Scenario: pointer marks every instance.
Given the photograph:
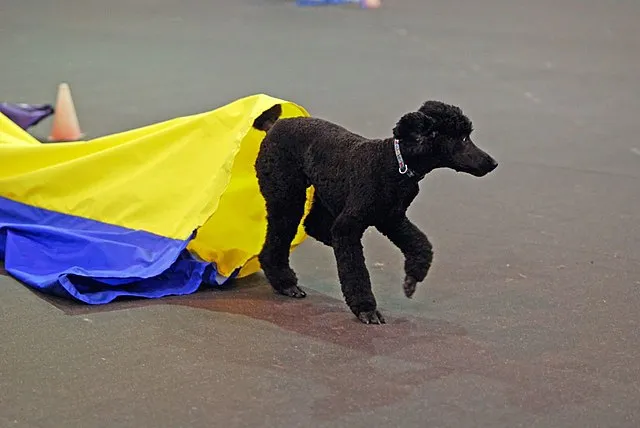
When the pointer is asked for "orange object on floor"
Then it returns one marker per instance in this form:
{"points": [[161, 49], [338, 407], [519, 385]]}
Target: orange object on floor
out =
{"points": [[370, 4], [65, 120]]}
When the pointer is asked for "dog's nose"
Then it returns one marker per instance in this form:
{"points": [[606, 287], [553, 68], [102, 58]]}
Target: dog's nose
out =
{"points": [[492, 164]]}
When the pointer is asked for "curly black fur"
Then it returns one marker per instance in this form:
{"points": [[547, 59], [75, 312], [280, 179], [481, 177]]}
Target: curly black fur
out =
{"points": [[358, 184]]}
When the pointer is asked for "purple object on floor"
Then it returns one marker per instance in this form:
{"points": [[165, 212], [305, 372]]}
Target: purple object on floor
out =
{"points": [[26, 115]]}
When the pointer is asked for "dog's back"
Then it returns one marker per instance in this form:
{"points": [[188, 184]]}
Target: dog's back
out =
{"points": [[299, 133], [311, 131]]}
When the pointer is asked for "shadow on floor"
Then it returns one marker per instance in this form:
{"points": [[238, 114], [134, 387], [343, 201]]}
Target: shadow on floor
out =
{"points": [[377, 365]]}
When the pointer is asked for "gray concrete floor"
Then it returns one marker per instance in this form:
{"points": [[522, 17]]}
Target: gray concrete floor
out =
{"points": [[530, 315]]}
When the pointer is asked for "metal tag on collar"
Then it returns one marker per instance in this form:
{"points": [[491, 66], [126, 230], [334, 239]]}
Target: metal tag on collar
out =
{"points": [[404, 169]]}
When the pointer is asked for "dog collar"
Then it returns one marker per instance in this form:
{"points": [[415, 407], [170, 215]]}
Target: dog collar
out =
{"points": [[404, 169]]}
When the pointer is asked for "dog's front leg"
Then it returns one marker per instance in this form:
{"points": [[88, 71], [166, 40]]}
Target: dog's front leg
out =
{"points": [[355, 282], [415, 246]]}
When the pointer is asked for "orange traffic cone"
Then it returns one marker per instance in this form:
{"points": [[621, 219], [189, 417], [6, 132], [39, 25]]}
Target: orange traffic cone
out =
{"points": [[65, 121]]}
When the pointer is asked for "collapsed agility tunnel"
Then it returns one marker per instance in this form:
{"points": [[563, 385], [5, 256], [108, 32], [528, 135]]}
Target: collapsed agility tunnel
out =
{"points": [[151, 212]]}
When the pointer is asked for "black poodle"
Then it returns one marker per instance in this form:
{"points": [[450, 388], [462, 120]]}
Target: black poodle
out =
{"points": [[357, 183]]}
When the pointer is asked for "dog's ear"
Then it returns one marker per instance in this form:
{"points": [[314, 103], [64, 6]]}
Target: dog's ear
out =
{"points": [[265, 121], [414, 126]]}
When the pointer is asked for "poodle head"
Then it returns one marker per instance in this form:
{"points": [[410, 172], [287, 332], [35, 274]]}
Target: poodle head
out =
{"points": [[438, 135]]}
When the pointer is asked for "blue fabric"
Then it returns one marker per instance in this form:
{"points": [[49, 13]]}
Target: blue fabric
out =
{"points": [[94, 262]]}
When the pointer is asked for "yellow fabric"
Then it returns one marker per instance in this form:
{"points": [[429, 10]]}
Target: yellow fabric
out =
{"points": [[11, 133], [168, 178]]}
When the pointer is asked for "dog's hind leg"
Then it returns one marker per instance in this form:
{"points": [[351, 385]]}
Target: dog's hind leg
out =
{"points": [[285, 198], [319, 221]]}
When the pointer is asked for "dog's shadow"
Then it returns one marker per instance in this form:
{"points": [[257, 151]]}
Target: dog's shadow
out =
{"points": [[355, 379], [379, 365], [318, 316]]}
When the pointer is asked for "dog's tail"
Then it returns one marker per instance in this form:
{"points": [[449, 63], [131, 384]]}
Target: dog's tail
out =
{"points": [[268, 118]]}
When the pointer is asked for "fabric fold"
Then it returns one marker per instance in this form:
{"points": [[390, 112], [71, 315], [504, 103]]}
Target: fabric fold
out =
{"points": [[117, 216]]}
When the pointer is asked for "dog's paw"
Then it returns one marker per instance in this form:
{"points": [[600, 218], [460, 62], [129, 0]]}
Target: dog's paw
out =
{"points": [[295, 292], [371, 317], [410, 284]]}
